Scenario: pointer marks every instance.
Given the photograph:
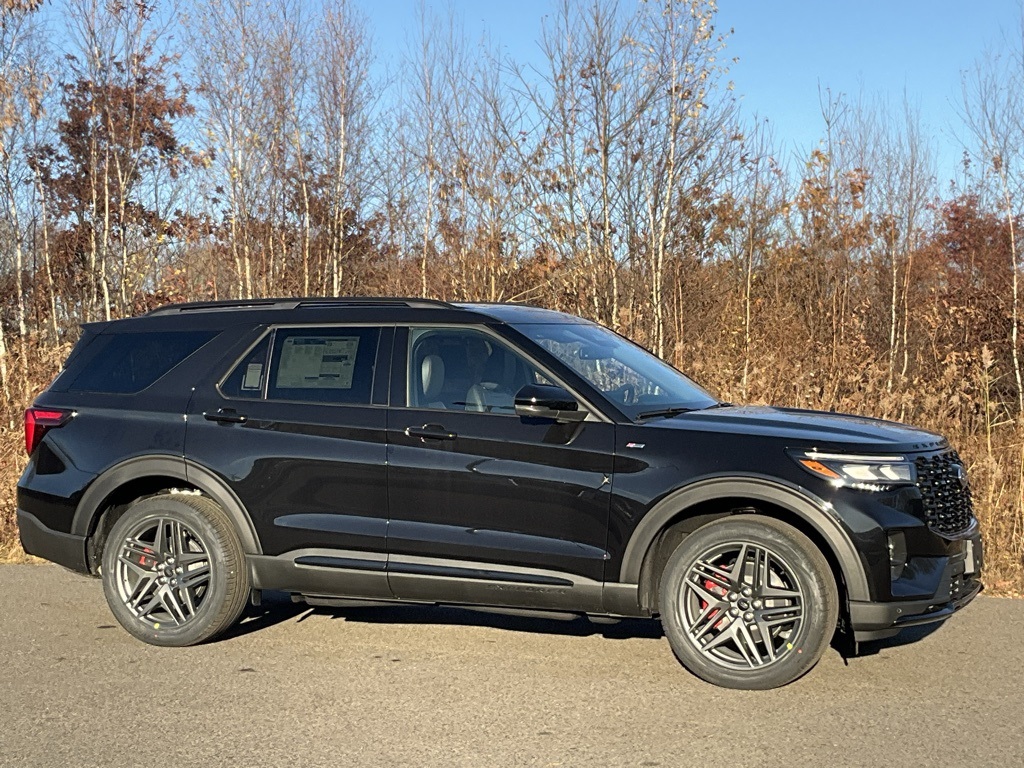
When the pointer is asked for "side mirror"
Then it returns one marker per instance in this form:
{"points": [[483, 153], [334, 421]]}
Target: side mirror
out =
{"points": [[539, 401]]}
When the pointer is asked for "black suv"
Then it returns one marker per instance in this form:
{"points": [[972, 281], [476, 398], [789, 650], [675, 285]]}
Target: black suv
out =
{"points": [[479, 454]]}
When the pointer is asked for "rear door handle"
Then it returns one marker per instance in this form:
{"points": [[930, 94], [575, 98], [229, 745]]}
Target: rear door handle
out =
{"points": [[226, 416], [430, 432]]}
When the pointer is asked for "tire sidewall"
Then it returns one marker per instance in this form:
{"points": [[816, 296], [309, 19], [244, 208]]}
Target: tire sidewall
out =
{"points": [[813, 576], [197, 628]]}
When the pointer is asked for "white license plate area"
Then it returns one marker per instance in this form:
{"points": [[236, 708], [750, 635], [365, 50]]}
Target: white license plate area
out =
{"points": [[969, 565]]}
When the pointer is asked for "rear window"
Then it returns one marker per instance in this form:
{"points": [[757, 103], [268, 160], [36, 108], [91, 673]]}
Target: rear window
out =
{"points": [[125, 363]]}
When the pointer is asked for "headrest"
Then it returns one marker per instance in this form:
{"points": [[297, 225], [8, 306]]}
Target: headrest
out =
{"points": [[431, 377]]}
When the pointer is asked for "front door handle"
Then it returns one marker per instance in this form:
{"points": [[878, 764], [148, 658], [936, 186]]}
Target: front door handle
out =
{"points": [[226, 416], [430, 432]]}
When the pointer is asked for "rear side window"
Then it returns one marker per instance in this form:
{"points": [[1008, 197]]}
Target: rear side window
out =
{"points": [[324, 365], [125, 363], [249, 375], [87, 337]]}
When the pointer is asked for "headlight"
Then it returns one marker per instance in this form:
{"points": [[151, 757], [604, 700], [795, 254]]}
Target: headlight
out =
{"points": [[865, 473]]}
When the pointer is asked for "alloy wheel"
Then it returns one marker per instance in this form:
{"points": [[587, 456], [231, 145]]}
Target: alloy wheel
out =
{"points": [[163, 572], [741, 606]]}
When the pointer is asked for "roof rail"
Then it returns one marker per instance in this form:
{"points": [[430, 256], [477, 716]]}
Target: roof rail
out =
{"points": [[306, 303], [198, 306], [387, 301]]}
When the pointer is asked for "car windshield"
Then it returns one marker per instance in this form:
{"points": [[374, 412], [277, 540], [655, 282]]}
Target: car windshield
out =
{"points": [[636, 381]]}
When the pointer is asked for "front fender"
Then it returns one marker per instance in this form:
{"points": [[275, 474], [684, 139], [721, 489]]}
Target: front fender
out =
{"points": [[812, 510]]}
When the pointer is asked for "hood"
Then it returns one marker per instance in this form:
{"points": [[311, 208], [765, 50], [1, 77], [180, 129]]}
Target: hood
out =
{"points": [[809, 429]]}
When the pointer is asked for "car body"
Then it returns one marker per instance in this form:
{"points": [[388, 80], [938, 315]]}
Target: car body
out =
{"points": [[480, 454]]}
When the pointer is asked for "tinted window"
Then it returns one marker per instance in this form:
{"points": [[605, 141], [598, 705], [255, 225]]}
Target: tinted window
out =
{"points": [[124, 363], [249, 375], [466, 370], [326, 365]]}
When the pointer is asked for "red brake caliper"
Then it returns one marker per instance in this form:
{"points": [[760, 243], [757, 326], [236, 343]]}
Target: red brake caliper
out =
{"points": [[142, 558], [710, 586]]}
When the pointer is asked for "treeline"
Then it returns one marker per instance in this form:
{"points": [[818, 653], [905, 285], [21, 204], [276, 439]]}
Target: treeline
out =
{"points": [[155, 152]]}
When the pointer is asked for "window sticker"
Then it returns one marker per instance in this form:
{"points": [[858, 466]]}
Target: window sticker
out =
{"points": [[317, 362], [253, 376]]}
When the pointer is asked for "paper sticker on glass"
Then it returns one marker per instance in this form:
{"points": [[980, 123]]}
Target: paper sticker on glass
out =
{"points": [[317, 362], [253, 379]]}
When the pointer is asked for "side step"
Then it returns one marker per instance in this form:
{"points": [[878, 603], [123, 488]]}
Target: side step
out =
{"points": [[321, 601]]}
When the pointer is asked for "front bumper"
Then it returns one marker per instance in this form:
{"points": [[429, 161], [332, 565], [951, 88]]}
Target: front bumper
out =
{"points": [[62, 548], [959, 584]]}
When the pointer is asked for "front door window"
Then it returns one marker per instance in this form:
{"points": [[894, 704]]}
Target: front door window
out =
{"points": [[463, 369]]}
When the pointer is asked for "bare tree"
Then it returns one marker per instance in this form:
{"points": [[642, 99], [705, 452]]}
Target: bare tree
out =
{"points": [[228, 44], [634, 123], [993, 113], [501, 180], [752, 205], [686, 155], [423, 128], [903, 187], [23, 81], [343, 100], [592, 98]]}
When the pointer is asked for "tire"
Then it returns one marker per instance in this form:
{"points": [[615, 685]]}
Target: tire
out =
{"points": [[174, 572], [759, 628]]}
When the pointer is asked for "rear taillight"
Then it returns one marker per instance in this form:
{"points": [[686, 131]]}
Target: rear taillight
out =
{"points": [[39, 421]]}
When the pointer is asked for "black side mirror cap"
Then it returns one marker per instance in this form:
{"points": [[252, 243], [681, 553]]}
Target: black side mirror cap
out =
{"points": [[541, 401]]}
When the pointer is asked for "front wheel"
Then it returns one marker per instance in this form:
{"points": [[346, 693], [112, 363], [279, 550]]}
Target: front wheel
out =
{"points": [[748, 602], [174, 571]]}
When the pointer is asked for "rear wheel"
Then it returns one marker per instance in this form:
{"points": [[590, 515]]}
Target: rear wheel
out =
{"points": [[174, 571], [748, 602]]}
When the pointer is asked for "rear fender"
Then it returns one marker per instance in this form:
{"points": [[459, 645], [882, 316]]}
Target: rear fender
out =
{"points": [[175, 467]]}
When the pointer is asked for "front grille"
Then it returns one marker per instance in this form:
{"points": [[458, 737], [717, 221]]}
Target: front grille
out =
{"points": [[945, 493]]}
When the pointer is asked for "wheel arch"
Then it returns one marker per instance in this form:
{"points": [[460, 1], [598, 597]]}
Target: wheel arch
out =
{"points": [[686, 509], [146, 475]]}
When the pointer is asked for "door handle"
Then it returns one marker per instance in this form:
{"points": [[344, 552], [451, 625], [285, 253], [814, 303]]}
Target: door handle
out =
{"points": [[226, 416], [430, 432]]}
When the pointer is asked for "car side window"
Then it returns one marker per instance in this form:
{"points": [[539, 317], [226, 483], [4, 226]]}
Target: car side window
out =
{"points": [[127, 363], [466, 370], [323, 365], [248, 377]]}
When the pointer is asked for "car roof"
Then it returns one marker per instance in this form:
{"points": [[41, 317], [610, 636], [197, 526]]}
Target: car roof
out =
{"points": [[520, 314], [361, 309]]}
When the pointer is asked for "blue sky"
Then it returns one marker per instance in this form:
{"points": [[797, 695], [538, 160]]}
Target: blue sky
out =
{"points": [[870, 47], [787, 48]]}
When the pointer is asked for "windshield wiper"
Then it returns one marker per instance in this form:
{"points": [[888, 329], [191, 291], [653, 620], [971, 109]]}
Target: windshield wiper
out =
{"points": [[664, 412], [678, 410]]}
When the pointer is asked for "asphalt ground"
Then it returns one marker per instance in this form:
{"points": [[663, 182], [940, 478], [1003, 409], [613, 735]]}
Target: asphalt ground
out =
{"points": [[294, 686]]}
